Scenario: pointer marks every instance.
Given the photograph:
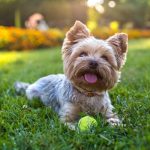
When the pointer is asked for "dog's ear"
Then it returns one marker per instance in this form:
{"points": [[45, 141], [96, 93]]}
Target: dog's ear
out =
{"points": [[77, 32], [119, 42], [74, 35]]}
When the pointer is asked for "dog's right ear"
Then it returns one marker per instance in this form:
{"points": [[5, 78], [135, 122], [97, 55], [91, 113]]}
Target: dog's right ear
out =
{"points": [[77, 32], [119, 42]]}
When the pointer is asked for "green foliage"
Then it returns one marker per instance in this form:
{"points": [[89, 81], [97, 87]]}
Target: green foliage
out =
{"points": [[17, 18], [134, 12], [32, 126], [66, 12], [93, 18]]}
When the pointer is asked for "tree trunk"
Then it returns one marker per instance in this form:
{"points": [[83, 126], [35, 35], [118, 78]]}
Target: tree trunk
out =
{"points": [[17, 18]]}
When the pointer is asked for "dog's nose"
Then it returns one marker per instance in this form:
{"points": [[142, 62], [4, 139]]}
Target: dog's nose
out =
{"points": [[93, 64]]}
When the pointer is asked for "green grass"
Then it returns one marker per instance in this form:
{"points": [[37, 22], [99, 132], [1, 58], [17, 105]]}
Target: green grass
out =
{"points": [[27, 126]]}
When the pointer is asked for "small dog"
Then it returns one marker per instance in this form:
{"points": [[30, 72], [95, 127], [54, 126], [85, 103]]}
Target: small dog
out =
{"points": [[91, 68]]}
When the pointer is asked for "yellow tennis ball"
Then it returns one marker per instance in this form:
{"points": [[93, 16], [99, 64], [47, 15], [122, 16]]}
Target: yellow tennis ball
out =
{"points": [[86, 123]]}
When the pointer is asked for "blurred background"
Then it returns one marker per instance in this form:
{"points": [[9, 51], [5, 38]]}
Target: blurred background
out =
{"points": [[31, 24], [31, 35]]}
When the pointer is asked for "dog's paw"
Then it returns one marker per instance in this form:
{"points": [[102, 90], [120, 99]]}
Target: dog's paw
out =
{"points": [[71, 126], [114, 122]]}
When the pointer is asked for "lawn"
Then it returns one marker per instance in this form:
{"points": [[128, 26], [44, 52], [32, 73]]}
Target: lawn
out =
{"points": [[25, 125]]}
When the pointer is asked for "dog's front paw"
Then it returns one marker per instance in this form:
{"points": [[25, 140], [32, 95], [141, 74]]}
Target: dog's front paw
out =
{"points": [[71, 126], [114, 121]]}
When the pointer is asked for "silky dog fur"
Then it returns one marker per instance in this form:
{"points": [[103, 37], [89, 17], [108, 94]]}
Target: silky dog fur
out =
{"points": [[91, 68]]}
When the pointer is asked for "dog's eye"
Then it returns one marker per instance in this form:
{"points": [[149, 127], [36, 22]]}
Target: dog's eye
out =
{"points": [[105, 57], [83, 54]]}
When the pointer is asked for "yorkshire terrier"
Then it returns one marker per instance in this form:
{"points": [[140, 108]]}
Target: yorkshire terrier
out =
{"points": [[92, 67]]}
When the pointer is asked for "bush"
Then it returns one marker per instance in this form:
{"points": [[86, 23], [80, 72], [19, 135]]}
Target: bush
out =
{"points": [[132, 33], [12, 38], [23, 39]]}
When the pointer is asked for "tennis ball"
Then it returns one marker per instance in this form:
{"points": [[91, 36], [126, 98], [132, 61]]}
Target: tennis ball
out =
{"points": [[86, 123]]}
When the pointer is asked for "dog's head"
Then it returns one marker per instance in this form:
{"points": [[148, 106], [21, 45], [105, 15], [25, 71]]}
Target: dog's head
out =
{"points": [[93, 64]]}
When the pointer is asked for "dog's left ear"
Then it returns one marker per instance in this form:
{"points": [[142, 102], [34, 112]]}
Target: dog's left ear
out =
{"points": [[119, 42], [77, 32]]}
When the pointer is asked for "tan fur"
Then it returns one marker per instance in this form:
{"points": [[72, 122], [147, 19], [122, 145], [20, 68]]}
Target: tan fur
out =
{"points": [[79, 40], [120, 44], [69, 113], [78, 31], [110, 56], [92, 67]]}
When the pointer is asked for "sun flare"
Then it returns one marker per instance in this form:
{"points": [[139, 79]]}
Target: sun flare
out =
{"points": [[93, 3], [8, 57]]}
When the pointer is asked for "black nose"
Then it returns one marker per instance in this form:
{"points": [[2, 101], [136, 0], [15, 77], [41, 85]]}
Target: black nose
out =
{"points": [[93, 64]]}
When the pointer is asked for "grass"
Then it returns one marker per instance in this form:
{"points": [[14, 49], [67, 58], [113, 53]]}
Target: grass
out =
{"points": [[25, 126]]}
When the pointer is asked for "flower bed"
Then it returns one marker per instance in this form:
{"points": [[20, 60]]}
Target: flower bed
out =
{"points": [[12, 38], [23, 39], [132, 33]]}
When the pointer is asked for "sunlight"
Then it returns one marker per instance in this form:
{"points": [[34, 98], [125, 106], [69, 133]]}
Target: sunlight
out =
{"points": [[91, 25], [114, 25], [112, 4], [8, 57], [99, 8], [92, 3]]}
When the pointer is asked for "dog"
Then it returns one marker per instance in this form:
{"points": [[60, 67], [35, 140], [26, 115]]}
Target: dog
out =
{"points": [[91, 68]]}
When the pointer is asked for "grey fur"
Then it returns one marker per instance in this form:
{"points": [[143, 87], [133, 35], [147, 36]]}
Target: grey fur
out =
{"points": [[57, 92], [69, 95]]}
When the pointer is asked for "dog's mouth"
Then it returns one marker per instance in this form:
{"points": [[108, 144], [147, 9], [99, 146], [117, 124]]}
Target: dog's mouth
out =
{"points": [[90, 78]]}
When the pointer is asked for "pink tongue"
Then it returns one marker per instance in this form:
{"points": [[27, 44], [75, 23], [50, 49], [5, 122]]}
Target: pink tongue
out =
{"points": [[90, 78]]}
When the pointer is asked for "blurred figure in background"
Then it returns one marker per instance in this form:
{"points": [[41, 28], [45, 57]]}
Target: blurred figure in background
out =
{"points": [[36, 21]]}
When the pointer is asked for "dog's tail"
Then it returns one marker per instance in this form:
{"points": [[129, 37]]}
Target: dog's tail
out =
{"points": [[21, 87]]}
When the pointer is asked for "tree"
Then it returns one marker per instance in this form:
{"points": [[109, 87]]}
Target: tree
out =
{"points": [[17, 5], [135, 11]]}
